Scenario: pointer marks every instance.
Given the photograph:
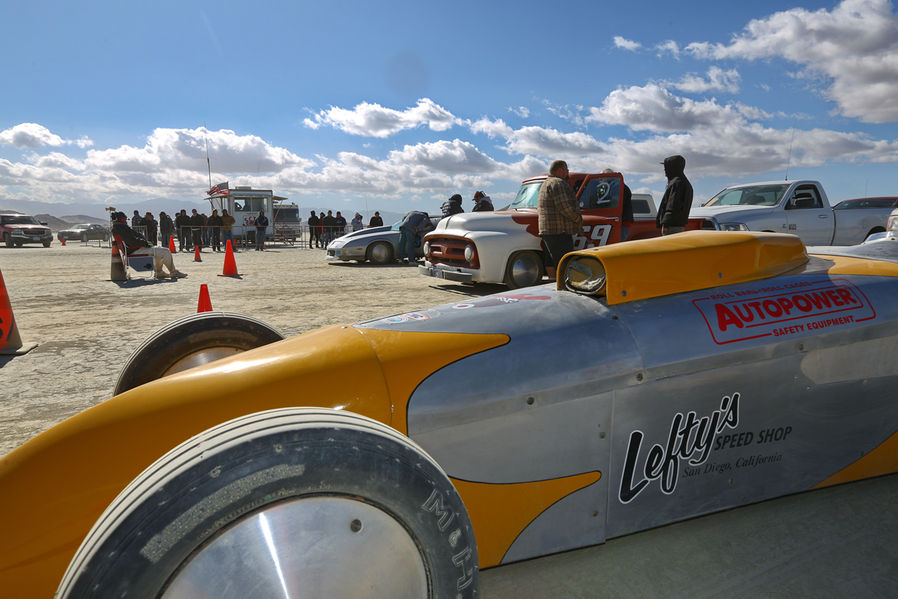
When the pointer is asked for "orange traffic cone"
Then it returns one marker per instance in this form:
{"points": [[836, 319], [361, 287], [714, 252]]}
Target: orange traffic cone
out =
{"points": [[196, 255], [230, 264], [205, 303], [62, 239], [10, 342], [171, 244]]}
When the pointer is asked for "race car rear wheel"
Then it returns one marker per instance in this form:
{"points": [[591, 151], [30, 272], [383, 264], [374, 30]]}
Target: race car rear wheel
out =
{"points": [[380, 253], [192, 341], [291, 502], [523, 270]]}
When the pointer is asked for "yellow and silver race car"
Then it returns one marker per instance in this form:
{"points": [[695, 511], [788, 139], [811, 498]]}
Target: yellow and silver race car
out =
{"points": [[659, 380]]}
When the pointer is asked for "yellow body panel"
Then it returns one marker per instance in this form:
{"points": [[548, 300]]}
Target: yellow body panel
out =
{"points": [[691, 260], [882, 460], [55, 486], [695, 260], [501, 512]]}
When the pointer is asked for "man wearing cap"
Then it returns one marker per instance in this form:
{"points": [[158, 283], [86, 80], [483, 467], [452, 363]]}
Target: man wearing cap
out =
{"points": [[482, 202], [137, 245], [673, 213], [559, 215]]}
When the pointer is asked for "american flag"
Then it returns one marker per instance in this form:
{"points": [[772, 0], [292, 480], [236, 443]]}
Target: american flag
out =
{"points": [[220, 189]]}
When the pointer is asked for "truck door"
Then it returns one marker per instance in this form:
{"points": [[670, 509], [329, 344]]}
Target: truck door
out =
{"points": [[600, 200], [807, 217]]}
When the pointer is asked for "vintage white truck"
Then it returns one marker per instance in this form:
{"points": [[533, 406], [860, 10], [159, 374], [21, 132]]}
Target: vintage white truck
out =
{"points": [[504, 246], [799, 207]]}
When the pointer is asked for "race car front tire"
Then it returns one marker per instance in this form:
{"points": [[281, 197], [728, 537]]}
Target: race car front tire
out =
{"points": [[192, 341], [290, 502]]}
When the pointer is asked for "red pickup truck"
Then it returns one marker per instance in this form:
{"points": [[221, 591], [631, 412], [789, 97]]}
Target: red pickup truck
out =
{"points": [[505, 247]]}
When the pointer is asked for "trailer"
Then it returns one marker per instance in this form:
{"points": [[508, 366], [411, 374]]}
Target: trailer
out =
{"points": [[244, 204]]}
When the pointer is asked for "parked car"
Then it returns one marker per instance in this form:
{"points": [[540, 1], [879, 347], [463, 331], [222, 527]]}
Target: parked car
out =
{"points": [[17, 229], [798, 207], [467, 435], [379, 245], [85, 232]]}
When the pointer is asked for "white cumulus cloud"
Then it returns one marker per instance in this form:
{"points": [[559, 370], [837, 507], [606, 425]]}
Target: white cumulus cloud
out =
{"points": [[854, 46], [373, 120]]}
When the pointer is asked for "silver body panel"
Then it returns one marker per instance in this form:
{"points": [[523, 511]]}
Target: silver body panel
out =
{"points": [[686, 404]]}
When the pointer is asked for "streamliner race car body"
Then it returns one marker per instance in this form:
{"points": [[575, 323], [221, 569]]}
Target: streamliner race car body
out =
{"points": [[659, 380]]}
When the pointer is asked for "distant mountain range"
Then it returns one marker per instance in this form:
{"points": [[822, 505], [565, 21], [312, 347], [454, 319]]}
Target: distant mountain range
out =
{"points": [[61, 216]]}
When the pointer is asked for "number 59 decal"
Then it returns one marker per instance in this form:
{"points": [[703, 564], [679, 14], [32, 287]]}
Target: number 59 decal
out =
{"points": [[595, 235]]}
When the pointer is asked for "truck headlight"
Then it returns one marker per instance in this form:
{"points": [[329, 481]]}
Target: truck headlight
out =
{"points": [[584, 274], [733, 227], [426, 249], [469, 253]]}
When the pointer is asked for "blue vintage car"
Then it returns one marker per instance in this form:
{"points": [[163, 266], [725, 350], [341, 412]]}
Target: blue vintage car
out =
{"points": [[378, 245]]}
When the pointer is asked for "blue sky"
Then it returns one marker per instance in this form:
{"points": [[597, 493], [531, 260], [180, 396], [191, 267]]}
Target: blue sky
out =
{"points": [[348, 105]]}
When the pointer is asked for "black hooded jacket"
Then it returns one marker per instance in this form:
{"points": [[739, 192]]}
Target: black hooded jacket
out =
{"points": [[674, 208]]}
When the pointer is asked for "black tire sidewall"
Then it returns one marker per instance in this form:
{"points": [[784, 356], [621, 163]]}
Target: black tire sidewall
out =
{"points": [[347, 462], [188, 335]]}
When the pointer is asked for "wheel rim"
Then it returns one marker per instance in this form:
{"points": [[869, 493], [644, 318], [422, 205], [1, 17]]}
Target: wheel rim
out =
{"points": [[204, 356], [321, 546], [380, 253], [524, 270]]}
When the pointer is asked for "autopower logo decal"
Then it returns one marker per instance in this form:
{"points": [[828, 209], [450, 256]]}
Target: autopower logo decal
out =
{"points": [[783, 310]]}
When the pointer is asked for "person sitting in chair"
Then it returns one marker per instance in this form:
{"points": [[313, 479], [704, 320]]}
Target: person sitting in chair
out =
{"points": [[137, 245]]}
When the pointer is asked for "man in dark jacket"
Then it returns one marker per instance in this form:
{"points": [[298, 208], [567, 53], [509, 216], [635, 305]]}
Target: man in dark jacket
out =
{"points": [[673, 213], [182, 223], [314, 233], [452, 206], [261, 223], [196, 228], [414, 226], [215, 222], [165, 228], [376, 220], [482, 202]]}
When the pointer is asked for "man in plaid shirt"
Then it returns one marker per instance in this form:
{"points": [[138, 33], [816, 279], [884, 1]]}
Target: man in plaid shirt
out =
{"points": [[559, 215]]}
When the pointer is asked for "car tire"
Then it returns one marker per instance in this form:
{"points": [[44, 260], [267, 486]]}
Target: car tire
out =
{"points": [[524, 269], [289, 502], [380, 253], [191, 341], [47, 243]]}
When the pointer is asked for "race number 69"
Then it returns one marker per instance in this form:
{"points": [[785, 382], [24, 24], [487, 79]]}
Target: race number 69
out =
{"points": [[596, 235]]}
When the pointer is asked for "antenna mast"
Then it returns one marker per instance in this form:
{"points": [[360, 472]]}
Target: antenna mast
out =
{"points": [[788, 161], [208, 162]]}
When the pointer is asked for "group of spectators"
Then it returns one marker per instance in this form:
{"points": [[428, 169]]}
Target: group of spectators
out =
{"points": [[324, 228], [198, 230], [193, 230]]}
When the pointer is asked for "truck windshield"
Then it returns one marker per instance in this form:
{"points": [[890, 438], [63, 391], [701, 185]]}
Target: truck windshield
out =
{"points": [[752, 195], [527, 196], [18, 220]]}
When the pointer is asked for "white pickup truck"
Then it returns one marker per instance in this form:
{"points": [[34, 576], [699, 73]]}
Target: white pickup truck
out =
{"points": [[797, 207]]}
